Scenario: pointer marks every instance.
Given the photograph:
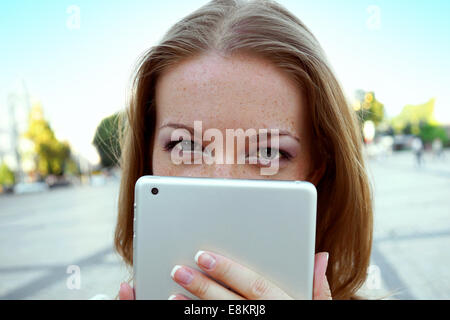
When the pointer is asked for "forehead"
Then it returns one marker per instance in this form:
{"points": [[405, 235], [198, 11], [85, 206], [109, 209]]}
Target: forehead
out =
{"points": [[241, 91]]}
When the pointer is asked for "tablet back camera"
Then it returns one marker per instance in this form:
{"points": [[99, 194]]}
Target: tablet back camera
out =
{"points": [[155, 191]]}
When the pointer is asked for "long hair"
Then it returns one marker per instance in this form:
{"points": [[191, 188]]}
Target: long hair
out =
{"points": [[266, 29]]}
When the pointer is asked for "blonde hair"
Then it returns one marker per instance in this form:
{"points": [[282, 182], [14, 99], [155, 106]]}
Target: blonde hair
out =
{"points": [[266, 29]]}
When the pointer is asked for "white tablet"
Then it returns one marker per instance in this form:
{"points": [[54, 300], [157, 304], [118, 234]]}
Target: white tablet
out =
{"points": [[266, 225]]}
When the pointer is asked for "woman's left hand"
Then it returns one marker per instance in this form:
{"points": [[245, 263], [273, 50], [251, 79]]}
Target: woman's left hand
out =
{"points": [[245, 283]]}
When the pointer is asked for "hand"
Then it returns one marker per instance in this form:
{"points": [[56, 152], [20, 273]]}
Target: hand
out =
{"points": [[245, 283], [126, 292]]}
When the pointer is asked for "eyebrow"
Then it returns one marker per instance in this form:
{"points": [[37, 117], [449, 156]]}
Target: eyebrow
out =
{"points": [[191, 130]]}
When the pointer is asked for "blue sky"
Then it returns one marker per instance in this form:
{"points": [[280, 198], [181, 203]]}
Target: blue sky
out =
{"points": [[81, 75]]}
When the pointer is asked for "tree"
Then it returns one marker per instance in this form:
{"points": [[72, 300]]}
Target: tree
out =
{"points": [[106, 140], [429, 132], [368, 107], [52, 155], [413, 117], [6, 175]]}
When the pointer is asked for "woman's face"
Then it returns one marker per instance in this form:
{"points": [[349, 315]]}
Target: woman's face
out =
{"points": [[239, 92]]}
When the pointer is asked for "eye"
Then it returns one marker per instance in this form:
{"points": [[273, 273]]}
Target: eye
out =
{"points": [[265, 156], [183, 145], [187, 145], [269, 154]]}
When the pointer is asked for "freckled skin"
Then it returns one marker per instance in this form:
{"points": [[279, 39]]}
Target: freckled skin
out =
{"points": [[241, 91]]}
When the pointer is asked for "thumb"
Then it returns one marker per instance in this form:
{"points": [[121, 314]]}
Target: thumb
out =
{"points": [[321, 288]]}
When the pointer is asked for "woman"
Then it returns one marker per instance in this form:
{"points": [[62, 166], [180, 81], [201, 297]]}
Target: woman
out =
{"points": [[237, 64]]}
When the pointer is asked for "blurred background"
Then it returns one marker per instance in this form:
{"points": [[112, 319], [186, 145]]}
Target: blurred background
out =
{"points": [[65, 71]]}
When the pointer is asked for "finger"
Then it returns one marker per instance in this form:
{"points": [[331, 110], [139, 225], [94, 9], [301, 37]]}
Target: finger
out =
{"points": [[321, 287], [178, 297], [200, 285], [244, 281], [126, 292]]}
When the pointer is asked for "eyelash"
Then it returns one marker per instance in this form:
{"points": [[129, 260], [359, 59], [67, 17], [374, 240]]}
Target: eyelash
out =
{"points": [[171, 144]]}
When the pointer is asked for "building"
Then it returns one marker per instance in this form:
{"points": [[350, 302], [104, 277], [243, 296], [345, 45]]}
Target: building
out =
{"points": [[14, 113]]}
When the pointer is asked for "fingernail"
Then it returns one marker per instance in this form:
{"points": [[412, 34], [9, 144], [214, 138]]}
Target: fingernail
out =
{"points": [[205, 260], [172, 297], [122, 286], [327, 256], [181, 274]]}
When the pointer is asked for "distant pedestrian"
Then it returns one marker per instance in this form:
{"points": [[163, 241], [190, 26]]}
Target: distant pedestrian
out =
{"points": [[417, 148], [437, 148]]}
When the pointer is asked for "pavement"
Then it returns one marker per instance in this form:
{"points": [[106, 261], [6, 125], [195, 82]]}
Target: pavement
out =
{"points": [[59, 244], [47, 237], [412, 225]]}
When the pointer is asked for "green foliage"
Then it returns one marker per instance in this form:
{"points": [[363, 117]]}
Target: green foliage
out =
{"points": [[52, 155], [419, 120], [7, 177], [367, 107], [429, 132], [106, 140], [72, 168], [413, 117]]}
